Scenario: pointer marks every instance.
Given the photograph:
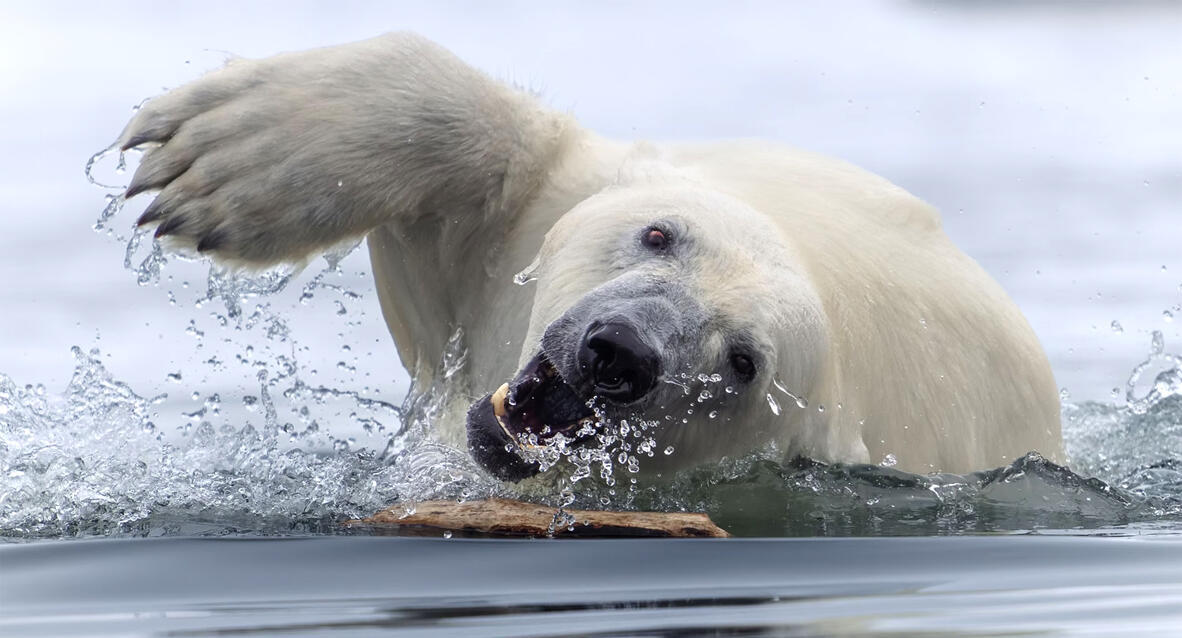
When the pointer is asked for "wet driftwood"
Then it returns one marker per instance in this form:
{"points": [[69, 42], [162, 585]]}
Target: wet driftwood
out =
{"points": [[503, 517]]}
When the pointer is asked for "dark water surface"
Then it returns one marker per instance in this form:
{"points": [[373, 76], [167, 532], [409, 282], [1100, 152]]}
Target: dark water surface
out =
{"points": [[361, 586]]}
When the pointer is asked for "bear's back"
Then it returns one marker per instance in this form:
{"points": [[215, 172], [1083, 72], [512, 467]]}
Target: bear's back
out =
{"points": [[926, 348]]}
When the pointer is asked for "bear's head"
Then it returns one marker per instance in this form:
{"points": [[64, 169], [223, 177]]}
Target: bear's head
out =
{"points": [[643, 291]]}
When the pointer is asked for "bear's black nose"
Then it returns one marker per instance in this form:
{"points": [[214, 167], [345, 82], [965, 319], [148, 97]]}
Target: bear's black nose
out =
{"points": [[620, 364]]}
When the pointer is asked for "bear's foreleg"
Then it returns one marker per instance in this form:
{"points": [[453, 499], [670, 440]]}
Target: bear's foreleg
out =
{"points": [[275, 159]]}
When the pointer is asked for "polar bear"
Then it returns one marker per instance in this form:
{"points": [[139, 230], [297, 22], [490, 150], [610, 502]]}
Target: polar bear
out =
{"points": [[819, 307]]}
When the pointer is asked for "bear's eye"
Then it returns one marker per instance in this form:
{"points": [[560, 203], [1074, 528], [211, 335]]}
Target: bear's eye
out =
{"points": [[654, 238], [744, 367]]}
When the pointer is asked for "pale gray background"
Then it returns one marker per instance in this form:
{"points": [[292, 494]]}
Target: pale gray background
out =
{"points": [[1050, 135]]}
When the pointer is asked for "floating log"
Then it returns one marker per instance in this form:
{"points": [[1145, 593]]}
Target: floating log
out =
{"points": [[504, 517]]}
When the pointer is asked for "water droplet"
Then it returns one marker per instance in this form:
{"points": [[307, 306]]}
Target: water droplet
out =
{"points": [[801, 402], [447, 534], [192, 330], [1064, 394], [529, 274], [174, 377], [773, 404], [1116, 327], [1167, 316], [455, 354], [888, 461], [685, 389], [1157, 344], [713, 414], [669, 450]]}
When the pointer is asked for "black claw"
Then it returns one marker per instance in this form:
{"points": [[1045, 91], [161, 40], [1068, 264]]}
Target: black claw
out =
{"points": [[170, 225], [152, 213], [133, 142], [212, 241], [135, 189]]}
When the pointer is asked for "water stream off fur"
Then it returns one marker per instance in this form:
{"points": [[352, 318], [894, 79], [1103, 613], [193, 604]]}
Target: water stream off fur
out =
{"points": [[282, 456]]}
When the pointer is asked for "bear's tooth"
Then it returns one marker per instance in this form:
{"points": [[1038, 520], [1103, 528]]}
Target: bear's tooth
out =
{"points": [[498, 400], [499, 412]]}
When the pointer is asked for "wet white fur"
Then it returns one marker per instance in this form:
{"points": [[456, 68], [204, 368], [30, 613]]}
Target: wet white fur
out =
{"points": [[866, 307]]}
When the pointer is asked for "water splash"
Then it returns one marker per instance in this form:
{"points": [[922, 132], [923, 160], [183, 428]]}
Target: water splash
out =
{"points": [[114, 205], [1167, 383], [233, 287], [119, 169], [1136, 447], [94, 460]]}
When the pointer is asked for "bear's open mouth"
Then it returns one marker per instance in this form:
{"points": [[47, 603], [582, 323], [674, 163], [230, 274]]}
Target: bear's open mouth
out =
{"points": [[538, 405]]}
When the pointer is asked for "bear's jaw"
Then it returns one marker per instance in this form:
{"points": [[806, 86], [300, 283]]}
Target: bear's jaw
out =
{"points": [[528, 412], [538, 405]]}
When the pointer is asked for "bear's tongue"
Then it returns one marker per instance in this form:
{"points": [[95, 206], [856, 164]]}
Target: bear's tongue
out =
{"points": [[538, 402]]}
